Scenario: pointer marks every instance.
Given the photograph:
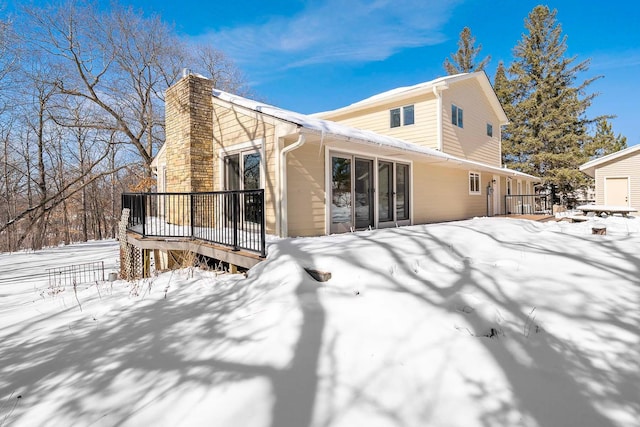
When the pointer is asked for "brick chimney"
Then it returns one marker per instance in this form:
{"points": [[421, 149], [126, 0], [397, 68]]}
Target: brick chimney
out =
{"points": [[189, 135]]}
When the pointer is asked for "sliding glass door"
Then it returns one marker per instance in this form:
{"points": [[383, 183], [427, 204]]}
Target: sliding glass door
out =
{"points": [[393, 193], [363, 186], [242, 172], [351, 193]]}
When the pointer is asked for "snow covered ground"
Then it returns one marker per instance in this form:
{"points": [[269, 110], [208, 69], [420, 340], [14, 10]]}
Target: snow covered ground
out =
{"points": [[485, 322]]}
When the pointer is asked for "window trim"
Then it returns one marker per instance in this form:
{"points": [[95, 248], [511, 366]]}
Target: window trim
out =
{"points": [[457, 116], [404, 115], [401, 111], [475, 180], [391, 117], [256, 146]]}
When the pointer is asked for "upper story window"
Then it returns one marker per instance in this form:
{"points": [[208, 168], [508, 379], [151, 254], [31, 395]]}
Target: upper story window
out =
{"points": [[489, 129], [402, 116], [474, 183], [456, 116], [407, 115]]}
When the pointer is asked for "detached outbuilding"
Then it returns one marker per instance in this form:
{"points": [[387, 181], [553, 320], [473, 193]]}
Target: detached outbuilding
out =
{"points": [[617, 178]]}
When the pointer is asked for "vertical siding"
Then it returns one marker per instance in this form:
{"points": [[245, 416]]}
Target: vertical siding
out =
{"points": [[628, 166], [471, 141], [305, 191], [423, 132], [232, 127]]}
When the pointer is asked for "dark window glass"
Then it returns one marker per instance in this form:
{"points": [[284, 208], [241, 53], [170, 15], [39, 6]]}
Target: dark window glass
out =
{"points": [[408, 115], [385, 191], [232, 164], [456, 115], [341, 190], [395, 117], [252, 171], [402, 192]]}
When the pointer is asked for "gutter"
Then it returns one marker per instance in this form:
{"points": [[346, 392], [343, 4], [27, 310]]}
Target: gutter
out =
{"points": [[437, 91], [284, 225]]}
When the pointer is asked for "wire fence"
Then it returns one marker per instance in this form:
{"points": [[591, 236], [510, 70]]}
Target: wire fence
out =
{"points": [[76, 274]]}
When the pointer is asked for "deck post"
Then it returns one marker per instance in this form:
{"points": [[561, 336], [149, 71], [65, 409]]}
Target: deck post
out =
{"points": [[235, 213], [143, 212], [263, 231], [192, 215]]}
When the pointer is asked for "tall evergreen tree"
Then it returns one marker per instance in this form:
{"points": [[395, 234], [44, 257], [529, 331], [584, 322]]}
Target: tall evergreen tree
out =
{"points": [[604, 141], [463, 60], [504, 92], [547, 132]]}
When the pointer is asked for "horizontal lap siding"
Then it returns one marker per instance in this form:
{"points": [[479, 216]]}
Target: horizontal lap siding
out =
{"points": [[471, 141], [306, 195], [442, 194], [628, 166], [231, 127], [422, 132]]}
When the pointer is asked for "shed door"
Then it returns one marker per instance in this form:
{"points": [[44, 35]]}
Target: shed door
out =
{"points": [[617, 191]]}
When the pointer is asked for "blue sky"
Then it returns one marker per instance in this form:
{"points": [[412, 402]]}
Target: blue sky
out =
{"points": [[311, 56]]}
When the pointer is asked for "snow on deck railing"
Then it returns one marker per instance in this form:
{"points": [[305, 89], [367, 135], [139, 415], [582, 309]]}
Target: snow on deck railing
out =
{"points": [[229, 218]]}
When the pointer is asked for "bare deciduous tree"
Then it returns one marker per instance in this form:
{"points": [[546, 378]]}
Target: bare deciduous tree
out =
{"points": [[82, 114]]}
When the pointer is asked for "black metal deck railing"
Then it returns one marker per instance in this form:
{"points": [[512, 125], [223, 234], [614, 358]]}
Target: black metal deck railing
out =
{"points": [[527, 204], [229, 218]]}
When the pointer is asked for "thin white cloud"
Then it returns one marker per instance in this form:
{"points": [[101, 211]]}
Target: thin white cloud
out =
{"points": [[609, 60], [335, 31]]}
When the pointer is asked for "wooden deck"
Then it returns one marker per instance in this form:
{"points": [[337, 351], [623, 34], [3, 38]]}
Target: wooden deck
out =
{"points": [[240, 258]]}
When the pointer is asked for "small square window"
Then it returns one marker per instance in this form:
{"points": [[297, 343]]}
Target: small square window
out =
{"points": [[474, 183], [407, 113], [395, 117], [456, 116], [489, 129]]}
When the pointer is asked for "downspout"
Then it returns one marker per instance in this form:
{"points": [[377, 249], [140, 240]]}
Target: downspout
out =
{"points": [[438, 95], [283, 183]]}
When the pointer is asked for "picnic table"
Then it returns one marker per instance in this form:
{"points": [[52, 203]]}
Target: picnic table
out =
{"points": [[598, 210]]}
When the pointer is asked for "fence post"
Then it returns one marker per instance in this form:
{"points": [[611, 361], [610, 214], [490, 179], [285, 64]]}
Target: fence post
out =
{"points": [[263, 231], [192, 215], [143, 214], [235, 213]]}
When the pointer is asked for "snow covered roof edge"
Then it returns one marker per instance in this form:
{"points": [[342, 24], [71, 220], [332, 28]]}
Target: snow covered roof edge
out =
{"points": [[324, 127], [589, 167], [424, 87]]}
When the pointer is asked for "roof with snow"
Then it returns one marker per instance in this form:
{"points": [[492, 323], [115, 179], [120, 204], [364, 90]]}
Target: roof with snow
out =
{"points": [[590, 167], [424, 88], [313, 124]]}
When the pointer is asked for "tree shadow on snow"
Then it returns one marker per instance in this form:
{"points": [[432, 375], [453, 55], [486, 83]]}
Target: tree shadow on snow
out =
{"points": [[157, 348], [552, 380]]}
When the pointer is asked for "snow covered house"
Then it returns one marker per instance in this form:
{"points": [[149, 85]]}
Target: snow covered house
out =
{"points": [[617, 178], [424, 153], [234, 170]]}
